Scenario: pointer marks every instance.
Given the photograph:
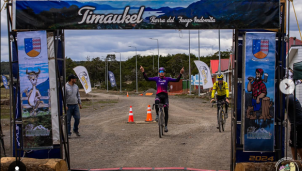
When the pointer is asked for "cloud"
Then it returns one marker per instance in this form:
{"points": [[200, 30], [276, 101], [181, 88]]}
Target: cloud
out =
{"points": [[98, 43]]}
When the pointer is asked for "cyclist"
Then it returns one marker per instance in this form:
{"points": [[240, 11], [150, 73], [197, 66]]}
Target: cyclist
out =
{"points": [[162, 87], [222, 89]]}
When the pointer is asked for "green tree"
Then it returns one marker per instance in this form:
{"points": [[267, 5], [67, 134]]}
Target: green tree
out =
{"points": [[172, 64]]}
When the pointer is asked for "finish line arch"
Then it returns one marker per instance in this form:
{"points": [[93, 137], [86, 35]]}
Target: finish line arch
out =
{"points": [[56, 16]]}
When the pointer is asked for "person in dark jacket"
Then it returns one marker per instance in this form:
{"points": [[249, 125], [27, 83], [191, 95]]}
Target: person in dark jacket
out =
{"points": [[290, 114]]}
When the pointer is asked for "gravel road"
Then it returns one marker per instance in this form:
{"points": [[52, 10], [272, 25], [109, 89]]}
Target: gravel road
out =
{"points": [[108, 141]]}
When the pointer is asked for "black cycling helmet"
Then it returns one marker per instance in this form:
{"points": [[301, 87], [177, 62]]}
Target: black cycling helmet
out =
{"points": [[162, 69]]}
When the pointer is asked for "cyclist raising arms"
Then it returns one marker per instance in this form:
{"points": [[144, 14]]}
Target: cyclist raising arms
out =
{"points": [[162, 90], [222, 89]]}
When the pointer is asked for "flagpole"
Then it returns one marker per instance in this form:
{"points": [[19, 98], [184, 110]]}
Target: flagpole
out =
{"points": [[189, 62], [199, 60]]}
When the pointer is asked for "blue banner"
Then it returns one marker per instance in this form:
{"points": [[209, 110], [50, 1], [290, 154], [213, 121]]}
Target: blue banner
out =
{"points": [[112, 79], [195, 80], [141, 14], [259, 92], [5, 83], [35, 91]]}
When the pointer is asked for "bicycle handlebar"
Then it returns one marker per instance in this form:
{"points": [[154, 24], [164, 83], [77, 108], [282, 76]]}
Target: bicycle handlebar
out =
{"points": [[160, 105], [221, 102]]}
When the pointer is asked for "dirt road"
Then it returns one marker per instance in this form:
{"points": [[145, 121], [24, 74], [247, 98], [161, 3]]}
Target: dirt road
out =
{"points": [[107, 141]]}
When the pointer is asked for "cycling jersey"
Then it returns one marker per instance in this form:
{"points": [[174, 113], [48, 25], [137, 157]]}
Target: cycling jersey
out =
{"points": [[161, 83], [222, 90]]}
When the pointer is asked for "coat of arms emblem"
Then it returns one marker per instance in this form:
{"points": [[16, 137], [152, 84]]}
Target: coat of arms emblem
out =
{"points": [[32, 46]]}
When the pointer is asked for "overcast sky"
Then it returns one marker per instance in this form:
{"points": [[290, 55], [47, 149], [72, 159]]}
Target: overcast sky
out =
{"points": [[98, 43]]}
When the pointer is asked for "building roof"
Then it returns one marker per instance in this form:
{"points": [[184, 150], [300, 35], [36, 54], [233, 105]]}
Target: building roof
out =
{"points": [[293, 42], [215, 63], [292, 51]]}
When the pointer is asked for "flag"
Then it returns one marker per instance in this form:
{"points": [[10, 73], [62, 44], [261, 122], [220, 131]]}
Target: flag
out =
{"points": [[112, 79], [83, 76], [5, 83], [205, 74]]}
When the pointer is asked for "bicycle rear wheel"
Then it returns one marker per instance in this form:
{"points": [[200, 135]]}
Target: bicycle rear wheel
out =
{"points": [[160, 128], [162, 122], [222, 119]]}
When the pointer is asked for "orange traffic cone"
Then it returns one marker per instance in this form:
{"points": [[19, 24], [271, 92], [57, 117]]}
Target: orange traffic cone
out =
{"points": [[130, 119], [127, 94], [149, 114]]}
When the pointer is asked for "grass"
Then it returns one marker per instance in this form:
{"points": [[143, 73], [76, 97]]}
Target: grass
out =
{"points": [[40, 113], [108, 101], [87, 104], [4, 93], [4, 112]]}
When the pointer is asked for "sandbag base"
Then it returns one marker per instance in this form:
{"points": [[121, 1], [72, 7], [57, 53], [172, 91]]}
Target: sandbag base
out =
{"points": [[36, 164]]}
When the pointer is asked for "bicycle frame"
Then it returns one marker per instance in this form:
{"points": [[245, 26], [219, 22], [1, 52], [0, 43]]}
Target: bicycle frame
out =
{"points": [[220, 115], [161, 118]]}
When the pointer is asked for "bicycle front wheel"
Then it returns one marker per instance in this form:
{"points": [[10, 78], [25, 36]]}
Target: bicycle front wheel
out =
{"points": [[162, 122], [222, 118], [160, 127], [219, 119]]}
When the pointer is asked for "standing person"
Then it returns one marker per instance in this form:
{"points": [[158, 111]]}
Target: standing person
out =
{"points": [[290, 114], [162, 90], [73, 102], [222, 89]]}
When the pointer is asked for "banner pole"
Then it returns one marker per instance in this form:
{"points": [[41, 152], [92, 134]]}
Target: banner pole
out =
{"points": [[282, 74], [12, 83], [56, 36], [235, 82], [120, 72], [219, 67], [189, 62], [107, 74], [199, 60]]}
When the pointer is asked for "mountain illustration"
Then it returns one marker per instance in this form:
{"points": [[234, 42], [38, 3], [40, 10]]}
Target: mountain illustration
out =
{"points": [[39, 6], [262, 130], [226, 15], [232, 13], [43, 87], [163, 9]]}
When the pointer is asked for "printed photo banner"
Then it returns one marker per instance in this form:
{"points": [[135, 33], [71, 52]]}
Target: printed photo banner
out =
{"points": [[259, 106], [34, 88], [141, 14], [83, 76]]}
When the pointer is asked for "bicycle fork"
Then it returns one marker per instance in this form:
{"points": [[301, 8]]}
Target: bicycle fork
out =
{"points": [[218, 116]]}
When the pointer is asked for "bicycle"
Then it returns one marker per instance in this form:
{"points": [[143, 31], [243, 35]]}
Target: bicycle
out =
{"points": [[161, 118], [220, 114]]}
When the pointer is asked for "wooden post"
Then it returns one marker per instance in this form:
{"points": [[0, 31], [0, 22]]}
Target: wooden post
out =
{"points": [[37, 164]]}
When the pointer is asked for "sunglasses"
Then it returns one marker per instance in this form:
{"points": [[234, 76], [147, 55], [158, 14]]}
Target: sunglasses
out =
{"points": [[161, 71], [220, 79]]}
